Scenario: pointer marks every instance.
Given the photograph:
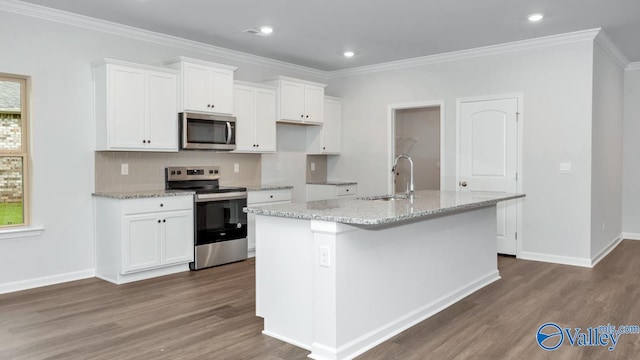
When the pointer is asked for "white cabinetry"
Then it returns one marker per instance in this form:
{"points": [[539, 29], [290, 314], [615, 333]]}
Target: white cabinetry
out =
{"points": [[262, 197], [255, 109], [331, 191], [135, 107], [204, 86], [299, 101], [326, 139], [141, 238]]}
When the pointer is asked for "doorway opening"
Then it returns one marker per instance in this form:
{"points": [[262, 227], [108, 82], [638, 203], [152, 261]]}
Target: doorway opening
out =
{"points": [[417, 131]]}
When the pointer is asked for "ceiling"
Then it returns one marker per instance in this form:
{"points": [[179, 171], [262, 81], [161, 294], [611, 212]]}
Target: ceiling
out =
{"points": [[314, 33]]}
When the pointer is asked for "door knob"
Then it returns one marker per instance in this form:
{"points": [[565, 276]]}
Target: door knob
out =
{"points": [[463, 184]]}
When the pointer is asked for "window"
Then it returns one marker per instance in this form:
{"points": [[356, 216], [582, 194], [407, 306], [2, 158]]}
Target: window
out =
{"points": [[13, 150]]}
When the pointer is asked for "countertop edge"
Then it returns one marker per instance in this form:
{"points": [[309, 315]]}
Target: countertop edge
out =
{"points": [[124, 195], [381, 221]]}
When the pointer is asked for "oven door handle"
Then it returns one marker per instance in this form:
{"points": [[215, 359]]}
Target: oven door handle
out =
{"points": [[221, 196], [229, 132]]}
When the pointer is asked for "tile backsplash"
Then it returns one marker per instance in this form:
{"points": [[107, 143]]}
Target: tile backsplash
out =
{"points": [[146, 169], [319, 172]]}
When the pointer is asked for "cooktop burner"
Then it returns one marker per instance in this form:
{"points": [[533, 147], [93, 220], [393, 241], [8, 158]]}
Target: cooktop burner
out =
{"points": [[201, 179]]}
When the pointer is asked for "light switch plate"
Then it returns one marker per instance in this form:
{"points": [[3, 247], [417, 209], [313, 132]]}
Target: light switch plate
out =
{"points": [[236, 168], [313, 166], [124, 169]]}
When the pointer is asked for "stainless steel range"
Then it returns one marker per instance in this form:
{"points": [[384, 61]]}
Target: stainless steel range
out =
{"points": [[220, 224]]}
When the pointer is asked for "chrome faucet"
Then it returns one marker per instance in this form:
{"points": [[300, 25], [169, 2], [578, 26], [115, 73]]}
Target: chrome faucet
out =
{"points": [[411, 189]]}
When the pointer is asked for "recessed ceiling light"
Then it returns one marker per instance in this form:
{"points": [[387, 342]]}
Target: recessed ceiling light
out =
{"points": [[348, 54], [267, 30], [535, 17]]}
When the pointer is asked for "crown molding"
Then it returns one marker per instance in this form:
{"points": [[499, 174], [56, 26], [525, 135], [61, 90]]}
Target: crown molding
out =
{"points": [[633, 66], [49, 14], [471, 53], [611, 49]]}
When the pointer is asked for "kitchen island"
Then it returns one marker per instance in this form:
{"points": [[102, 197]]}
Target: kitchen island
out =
{"points": [[338, 277]]}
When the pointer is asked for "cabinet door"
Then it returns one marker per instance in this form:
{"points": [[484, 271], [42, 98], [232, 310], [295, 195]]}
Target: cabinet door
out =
{"points": [[265, 124], [197, 92], [245, 109], [141, 244], [292, 101], [178, 236], [162, 111], [313, 103], [126, 107], [221, 91], [331, 133]]}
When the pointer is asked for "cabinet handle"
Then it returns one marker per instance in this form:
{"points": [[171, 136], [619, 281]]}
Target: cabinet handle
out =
{"points": [[324, 148], [158, 221], [144, 141], [161, 204], [148, 141], [307, 116], [164, 220], [271, 196], [210, 105], [301, 116]]}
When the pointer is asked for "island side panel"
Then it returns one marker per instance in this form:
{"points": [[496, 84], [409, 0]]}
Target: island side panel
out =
{"points": [[284, 278], [385, 280]]}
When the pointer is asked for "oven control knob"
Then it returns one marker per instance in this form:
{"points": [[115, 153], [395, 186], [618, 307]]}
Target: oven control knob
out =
{"points": [[173, 172], [216, 171], [179, 172], [210, 171]]}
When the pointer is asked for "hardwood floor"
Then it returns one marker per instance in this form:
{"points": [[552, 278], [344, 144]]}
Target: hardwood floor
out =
{"points": [[209, 314]]}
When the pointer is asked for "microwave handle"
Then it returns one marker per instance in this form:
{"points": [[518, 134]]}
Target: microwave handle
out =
{"points": [[229, 132]]}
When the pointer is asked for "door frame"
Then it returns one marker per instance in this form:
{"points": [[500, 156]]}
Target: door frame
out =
{"points": [[521, 177], [391, 110]]}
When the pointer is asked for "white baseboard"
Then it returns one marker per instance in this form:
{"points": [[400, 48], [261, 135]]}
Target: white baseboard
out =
{"points": [[391, 329], [287, 340], [607, 249], [565, 260], [46, 280], [630, 236]]}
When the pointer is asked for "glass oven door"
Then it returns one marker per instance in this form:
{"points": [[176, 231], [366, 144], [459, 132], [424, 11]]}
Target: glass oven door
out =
{"points": [[219, 217]]}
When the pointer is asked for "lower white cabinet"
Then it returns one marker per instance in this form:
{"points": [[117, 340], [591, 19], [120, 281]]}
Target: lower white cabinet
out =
{"points": [[262, 197], [142, 238], [331, 191]]}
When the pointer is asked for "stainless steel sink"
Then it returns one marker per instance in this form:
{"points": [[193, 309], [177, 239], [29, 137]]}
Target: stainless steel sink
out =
{"points": [[389, 197]]}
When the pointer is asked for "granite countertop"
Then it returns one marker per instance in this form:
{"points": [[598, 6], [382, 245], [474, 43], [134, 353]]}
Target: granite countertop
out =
{"points": [[332, 182], [269, 187], [369, 211], [142, 194]]}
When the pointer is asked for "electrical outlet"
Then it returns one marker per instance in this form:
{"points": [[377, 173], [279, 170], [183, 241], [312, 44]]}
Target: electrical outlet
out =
{"points": [[313, 166], [325, 256], [124, 169], [236, 168]]}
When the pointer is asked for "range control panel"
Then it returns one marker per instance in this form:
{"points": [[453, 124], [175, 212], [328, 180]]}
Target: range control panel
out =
{"points": [[181, 173]]}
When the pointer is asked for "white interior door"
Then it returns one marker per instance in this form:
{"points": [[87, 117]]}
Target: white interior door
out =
{"points": [[489, 158]]}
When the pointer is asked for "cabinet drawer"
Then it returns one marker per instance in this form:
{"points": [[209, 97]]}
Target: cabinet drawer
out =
{"points": [[267, 196], [155, 204], [343, 190]]}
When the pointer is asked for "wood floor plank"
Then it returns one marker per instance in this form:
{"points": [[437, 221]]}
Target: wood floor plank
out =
{"points": [[210, 314]]}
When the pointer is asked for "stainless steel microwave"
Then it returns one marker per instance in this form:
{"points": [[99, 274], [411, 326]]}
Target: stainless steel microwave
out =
{"points": [[207, 131]]}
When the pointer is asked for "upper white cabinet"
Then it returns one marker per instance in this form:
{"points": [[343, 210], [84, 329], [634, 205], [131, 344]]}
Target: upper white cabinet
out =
{"points": [[299, 101], [204, 86], [135, 107], [255, 110], [327, 138]]}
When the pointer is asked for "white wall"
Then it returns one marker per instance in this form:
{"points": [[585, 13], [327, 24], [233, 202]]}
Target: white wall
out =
{"points": [[556, 83], [289, 165], [58, 57], [631, 191], [606, 171]]}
